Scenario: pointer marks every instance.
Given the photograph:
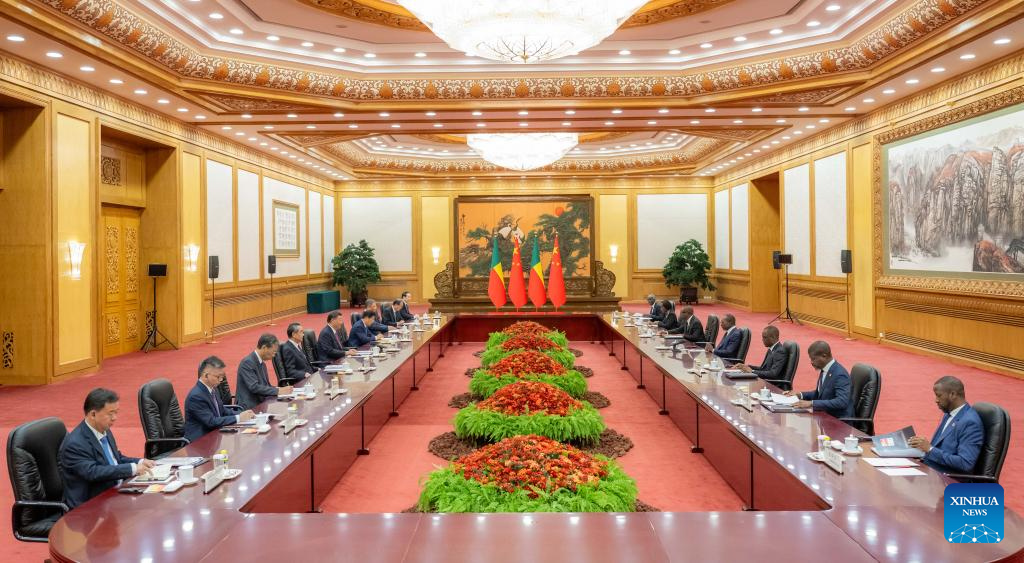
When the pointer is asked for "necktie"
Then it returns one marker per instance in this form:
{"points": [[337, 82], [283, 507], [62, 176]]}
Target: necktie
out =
{"points": [[941, 429], [821, 380], [107, 451], [216, 403], [336, 339]]}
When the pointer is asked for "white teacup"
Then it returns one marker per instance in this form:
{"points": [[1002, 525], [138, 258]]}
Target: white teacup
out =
{"points": [[186, 473], [766, 393], [262, 418], [851, 443]]}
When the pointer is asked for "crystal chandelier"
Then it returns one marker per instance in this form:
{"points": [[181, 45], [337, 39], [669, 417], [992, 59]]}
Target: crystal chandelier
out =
{"points": [[522, 151], [522, 31]]}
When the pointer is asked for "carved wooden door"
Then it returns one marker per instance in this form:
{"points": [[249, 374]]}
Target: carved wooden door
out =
{"points": [[122, 330]]}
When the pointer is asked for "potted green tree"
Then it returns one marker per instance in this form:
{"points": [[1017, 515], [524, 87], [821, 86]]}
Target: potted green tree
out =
{"points": [[355, 268], [688, 269]]}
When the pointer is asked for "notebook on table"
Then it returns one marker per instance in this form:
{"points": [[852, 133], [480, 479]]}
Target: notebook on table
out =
{"points": [[895, 444]]}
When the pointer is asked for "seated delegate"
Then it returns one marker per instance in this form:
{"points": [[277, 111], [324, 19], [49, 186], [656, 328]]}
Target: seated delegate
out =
{"points": [[832, 393], [955, 446], [362, 334], [204, 411], [775, 358], [253, 385]]}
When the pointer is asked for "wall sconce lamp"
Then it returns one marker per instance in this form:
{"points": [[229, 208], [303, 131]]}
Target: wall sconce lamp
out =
{"points": [[613, 251], [435, 251], [76, 250], [191, 254]]}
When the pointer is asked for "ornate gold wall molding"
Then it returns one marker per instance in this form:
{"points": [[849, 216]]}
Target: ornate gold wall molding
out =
{"points": [[122, 26], [7, 350], [110, 170], [49, 83], [444, 186]]}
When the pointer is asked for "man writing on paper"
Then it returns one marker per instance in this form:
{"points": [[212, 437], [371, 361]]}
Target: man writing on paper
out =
{"points": [[832, 394], [957, 441]]}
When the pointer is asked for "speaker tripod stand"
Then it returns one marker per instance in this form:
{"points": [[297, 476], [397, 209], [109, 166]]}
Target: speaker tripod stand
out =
{"points": [[155, 338], [788, 314]]}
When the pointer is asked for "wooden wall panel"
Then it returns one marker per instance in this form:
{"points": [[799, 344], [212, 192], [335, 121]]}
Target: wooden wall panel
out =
{"points": [[765, 237], [436, 213], [614, 228], [122, 171], [819, 302], [733, 288], [861, 217], [191, 234]]}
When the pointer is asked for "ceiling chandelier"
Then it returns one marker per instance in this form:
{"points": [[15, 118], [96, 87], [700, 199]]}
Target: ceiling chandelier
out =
{"points": [[522, 31], [522, 151]]}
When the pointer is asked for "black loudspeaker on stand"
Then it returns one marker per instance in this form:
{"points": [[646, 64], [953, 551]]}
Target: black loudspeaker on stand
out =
{"points": [[154, 338], [213, 270], [846, 261], [271, 269], [784, 260]]}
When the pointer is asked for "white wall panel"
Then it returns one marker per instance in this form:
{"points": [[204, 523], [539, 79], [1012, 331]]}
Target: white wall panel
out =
{"points": [[248, 226], [722, 239], [829, 214], [740, 227], [665, 221], [316, 254], [280, 191], [385, 223], [329, 230], [220, 227], [796, 198]]}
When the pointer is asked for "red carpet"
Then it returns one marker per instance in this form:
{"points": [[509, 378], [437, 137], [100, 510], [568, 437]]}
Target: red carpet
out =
{"points": [[668, 475], [906, 399]]}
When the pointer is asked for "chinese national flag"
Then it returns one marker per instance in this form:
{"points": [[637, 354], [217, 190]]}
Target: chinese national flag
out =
{"points": [[516, 283], [556, 280], [537, 295], [496, 285]]}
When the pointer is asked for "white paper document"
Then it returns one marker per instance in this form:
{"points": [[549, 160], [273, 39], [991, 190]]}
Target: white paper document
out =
{"points": [[780, 399], [889, 462], [901, 471]]}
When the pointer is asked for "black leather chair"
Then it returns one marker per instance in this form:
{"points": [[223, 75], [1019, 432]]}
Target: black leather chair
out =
{"points": [[309, 346], [792, 362], [32, 450], [282, 376], [741, 355], [226, 397], [865, 389], [163, 422], [996, 424], [711, 330], [356, 318]]}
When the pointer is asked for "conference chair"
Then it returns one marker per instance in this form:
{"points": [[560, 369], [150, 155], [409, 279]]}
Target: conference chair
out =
{"points": [[163, 422], [282, 376], [711, 330], [356, 318], [792, 350], [865, 389], [35, 478], [741, 355], [996, 424], [311, 350], [227, 398]]}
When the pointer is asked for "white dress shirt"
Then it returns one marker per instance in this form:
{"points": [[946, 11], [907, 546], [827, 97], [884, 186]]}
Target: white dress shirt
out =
{"points": [[99, 438]]}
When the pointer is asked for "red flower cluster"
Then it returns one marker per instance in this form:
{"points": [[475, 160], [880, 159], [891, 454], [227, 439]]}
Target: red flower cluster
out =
{"points": [[528, 342], [527, 397], [526, 462], [527, 361], [526, 327]]}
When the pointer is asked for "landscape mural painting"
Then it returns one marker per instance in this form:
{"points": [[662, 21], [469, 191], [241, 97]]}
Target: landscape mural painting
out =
{"points": [[955, 197], [479, 219]]}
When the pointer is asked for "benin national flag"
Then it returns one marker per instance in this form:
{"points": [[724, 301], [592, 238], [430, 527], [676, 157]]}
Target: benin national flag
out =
{"points": [[496, 285], [537, 294], [516, 283], [556, 280]]}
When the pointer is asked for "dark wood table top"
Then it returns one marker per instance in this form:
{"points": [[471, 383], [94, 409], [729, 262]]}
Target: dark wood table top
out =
{"points": [[871, 516]]}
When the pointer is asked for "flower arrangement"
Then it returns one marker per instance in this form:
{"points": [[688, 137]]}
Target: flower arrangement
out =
{"points": [[529, 474], [531, 342], [530, 407], [527, 328], [527, 365]]}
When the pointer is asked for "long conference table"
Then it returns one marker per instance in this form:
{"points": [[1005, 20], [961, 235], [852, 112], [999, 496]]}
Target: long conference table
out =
{"points": [[797, 509]]}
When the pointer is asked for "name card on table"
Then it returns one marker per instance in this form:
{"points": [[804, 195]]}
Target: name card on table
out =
{"points": [[834, 459]]}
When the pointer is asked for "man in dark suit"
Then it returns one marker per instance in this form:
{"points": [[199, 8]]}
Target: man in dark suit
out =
{"points": [[955, 446], [296, 364], [331, 343], [689, 326], [204, 410], [89, 460], [376, 327], [405, 313], [832, 394], [668, 318], [253, 385], [392, 315], [362, 334], [656, 313], [729, 345], [774, 359]]}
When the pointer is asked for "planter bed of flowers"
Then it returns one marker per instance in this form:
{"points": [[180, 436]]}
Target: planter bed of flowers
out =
{"points": [[528, 342], [527, 365], [529, 407]]}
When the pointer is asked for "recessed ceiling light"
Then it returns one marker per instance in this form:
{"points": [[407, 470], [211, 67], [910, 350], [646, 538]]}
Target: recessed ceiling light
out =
{"points": [[566, 123], [737, 121], [868, 100], [163, 101], [706, 45], [292, 115], [438, 125], [339, 114], [478, 113], [183, 110], [570, 112], [652, 122], [739, 39], [246, 116], [263, 144], [850, 108], [86, 68], [812, 126], [353, 126], [625, 52], [813, 23], [1002, 41], [775, 142], [674, 52], [307, 43], [523, 112], [967, 56], [54, 54], [225, 128], [833, 8], [419, 55], [141, 92], [235, 31], [216, 16], [240, 133], [116, 81], [311, 127], [780, 121], [888, 91], [938, 69], [395, 126], [481, 125], [694, 122], [338, 49], [616, 111], [384, 114], [663, 110], [798, 132], [273, 148], [756, 110], [823, 121], [803, 108], [709, 110], [609, 123], [273, 38], [268, 127], [15, 38], [776, 31], [370, 55], [250, 139], [912, 81], [766, 147], [524, 124]]}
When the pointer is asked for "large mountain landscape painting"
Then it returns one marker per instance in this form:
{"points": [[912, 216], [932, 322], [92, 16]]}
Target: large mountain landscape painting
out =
{"points": [[956, 198]]}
